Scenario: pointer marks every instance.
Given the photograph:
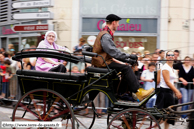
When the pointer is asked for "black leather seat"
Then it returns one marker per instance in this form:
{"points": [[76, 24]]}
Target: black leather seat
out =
{"points": [[57, 75], [97, 70]]}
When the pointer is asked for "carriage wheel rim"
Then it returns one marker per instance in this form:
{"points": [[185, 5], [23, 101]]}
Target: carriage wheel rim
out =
{"points": [[50, 92], [134, 121]]}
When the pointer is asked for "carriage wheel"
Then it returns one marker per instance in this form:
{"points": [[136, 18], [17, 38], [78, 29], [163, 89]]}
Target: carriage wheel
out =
{"points": [[112, 113], [110, 117], [89, 118], [44, 105], [134, 119]]}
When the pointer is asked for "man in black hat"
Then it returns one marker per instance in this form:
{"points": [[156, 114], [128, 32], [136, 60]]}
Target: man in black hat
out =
{"points": [[104, 46]]}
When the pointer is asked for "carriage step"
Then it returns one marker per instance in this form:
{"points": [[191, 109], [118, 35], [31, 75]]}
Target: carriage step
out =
{"points": [[127, 103]]}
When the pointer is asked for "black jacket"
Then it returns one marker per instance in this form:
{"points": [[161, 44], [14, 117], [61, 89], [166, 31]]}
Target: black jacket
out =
{"points": [[187, 76]]}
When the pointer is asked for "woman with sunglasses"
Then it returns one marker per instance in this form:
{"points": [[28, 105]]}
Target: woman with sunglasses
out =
{"points": [[165, 97]]}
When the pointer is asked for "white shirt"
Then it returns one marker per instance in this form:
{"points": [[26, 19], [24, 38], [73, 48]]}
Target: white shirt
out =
{"points": [[32, 59], [140, 64], [172, 76], [186, 70], [148, 75]]}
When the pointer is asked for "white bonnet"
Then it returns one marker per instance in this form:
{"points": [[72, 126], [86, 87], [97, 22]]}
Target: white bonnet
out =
{"points": [[52, 32]]}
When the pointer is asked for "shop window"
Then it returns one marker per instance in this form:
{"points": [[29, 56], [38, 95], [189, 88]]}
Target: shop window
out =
{"points": [[28, 41], [3, 42], [137, 44], [15, 42], [129, 44]]}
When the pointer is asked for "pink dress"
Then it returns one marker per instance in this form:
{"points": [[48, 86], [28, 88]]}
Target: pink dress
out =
{"points": [[42, 65]]}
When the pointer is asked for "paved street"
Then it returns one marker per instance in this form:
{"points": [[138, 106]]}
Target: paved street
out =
{"points": [[100, 123]]}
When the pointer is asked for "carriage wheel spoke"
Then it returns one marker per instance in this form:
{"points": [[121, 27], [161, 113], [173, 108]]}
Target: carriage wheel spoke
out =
{"points": [[144, 118], [67, 124], [44, 103], [126, 122], [60, 113], [134, 119], [154, 126], [24, 107], [117, 126], [56, 100], [81, 123], [34, 103]]}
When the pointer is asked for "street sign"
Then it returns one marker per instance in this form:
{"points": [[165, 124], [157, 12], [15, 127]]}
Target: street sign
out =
{"points": [[33, 4], [38, 15], [32, 27]]}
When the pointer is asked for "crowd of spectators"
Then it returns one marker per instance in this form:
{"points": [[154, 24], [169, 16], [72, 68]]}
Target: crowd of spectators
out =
{"points": [[182, 68], [7, 73], [147, 64]]}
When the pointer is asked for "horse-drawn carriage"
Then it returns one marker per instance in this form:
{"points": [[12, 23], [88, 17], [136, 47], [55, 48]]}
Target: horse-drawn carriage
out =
{"points": [[54, 96]]}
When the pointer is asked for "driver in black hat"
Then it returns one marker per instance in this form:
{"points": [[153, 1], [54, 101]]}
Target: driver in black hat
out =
{"points": [[104, 46]]}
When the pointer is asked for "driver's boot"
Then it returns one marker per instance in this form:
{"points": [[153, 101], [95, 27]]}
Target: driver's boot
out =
{"points": [[142, 94]]}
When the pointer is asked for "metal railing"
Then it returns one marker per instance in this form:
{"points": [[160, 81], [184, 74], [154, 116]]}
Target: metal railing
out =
{"points": [[186, 91]]}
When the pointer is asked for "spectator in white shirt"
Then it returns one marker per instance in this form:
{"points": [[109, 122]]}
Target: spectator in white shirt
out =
{"points": [[165, 97], [148, 78]]}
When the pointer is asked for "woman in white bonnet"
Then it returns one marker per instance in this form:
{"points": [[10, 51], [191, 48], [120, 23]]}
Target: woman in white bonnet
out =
{"points": [[50, 64]]}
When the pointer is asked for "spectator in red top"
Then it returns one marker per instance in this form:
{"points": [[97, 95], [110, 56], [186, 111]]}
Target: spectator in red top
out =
{"points": [[7, 74]]}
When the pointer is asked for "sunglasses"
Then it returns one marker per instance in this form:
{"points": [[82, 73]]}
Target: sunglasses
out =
{"points": [[170, 55]]}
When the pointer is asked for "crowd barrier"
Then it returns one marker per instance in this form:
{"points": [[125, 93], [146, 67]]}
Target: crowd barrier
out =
{"points": [[186, 91]]}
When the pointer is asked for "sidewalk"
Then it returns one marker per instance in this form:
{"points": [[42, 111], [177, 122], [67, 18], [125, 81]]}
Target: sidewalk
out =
{"points": [[6, 113], [4, 117]]}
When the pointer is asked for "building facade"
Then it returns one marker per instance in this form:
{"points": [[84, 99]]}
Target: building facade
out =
{"points": [[177, 26], [145, 24], [8, 36], [138, 30]]}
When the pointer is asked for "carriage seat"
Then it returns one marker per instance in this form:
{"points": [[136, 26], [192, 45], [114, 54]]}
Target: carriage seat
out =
{"points": [[56, 75], [96, 70]]}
